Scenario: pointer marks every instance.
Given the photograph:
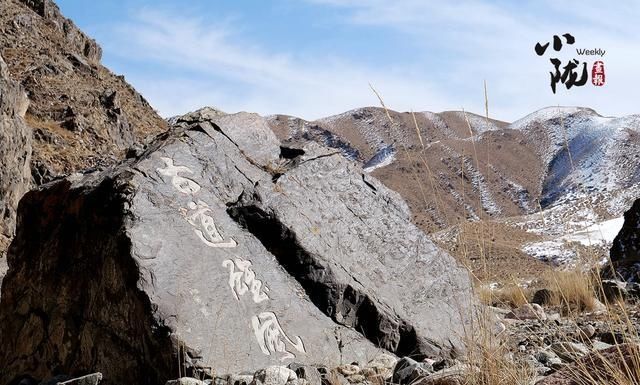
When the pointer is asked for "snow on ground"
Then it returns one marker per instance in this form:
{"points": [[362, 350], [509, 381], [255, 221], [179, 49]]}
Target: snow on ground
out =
{"points": [[599, 233], [554, 252], [478, 123], [383, 158], [548, 113]]}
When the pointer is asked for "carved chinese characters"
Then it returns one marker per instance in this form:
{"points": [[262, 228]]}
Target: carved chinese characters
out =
{"points": [[205, 227], [243, 279], [272, 338], [267, 330]]}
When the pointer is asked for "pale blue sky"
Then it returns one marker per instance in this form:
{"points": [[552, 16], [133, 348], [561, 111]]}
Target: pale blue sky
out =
{"points": [[314, 58]]}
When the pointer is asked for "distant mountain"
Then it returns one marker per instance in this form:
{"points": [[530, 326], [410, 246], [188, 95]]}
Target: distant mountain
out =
{"points": [[477, 167], [457, 167]]}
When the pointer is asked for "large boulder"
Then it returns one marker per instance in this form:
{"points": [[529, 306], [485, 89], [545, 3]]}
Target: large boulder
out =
{"points": [[218, 250], [15, 155]]}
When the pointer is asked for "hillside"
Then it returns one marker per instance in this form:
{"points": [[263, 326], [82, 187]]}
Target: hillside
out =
{"points": [[81, 113], [483, 186]]}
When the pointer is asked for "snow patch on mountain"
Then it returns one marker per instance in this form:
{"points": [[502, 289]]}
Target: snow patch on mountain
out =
{"points": [[382, 158]]}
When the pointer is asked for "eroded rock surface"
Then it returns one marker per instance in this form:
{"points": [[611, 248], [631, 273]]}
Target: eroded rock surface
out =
{"points": [[15, 155], [218, 248]]}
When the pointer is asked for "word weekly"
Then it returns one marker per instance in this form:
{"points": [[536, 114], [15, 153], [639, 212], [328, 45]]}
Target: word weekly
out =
{"points": [[574, 72]]}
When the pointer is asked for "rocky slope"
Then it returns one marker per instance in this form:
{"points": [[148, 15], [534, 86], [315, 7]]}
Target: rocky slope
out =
{"points": [[15, 154], [80, 114], [218, 248]]}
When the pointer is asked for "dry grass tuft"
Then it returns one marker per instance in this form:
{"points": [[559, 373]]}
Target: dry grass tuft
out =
{"points": [[511, 295], [573, 290], [497, 367]]}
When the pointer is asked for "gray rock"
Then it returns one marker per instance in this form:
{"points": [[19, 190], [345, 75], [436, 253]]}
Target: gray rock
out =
{"points": [[186, 381], [222, 259], [408, 370], [586, 332], [83, 44], [549, 358], [239, 379], [205, 113], [614, 290], [307, 372], [599, 345], [274, 375], [528, 311], [569, 351], [381, 367], [94, 379]]}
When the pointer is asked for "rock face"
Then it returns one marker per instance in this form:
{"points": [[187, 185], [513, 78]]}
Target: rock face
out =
{"points": [[625, 251], [218, 248], [83, 115], [75, 114], [15, 154]]}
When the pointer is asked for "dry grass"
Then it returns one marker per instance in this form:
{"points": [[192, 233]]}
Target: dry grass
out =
{"points": [[496, 366], [511, 295], [619, 365], [574, 291]]}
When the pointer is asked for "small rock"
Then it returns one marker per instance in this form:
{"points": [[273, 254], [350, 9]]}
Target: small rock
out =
{"points": [[614, 290], [185, 381], [408, 370], [587, 331], [240, 379], [306, 372], [599, 345], [356, 378], [348, 370], [549, 359], [273, 375], [528, 311], [383, 365], [554, 317], [569, 351], [90, 379]]}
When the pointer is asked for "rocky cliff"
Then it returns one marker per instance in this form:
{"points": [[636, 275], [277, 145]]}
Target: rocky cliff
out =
{"points": [[79, 114], [15, 156], [218, 248], [82, 115]]}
